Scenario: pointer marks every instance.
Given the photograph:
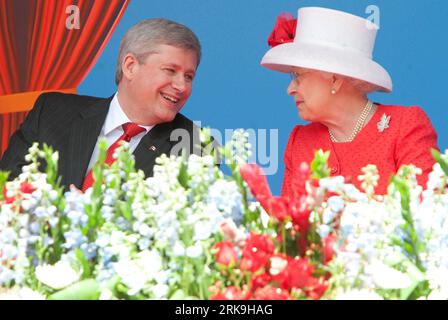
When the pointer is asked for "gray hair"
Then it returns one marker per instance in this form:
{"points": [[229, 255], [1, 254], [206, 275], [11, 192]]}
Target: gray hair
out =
{"points": [[143, 37], [361, 86]]}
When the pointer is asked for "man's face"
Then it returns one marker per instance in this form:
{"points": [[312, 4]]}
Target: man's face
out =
{"points": [[159, 87]]}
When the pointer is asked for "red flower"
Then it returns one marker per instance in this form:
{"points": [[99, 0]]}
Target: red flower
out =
{"points": [[260, 280], [232, 293], [328, 247], [278, 267], [278, 208], [300, 214], [318, 290], [298, 183], [284, 30], [7, 199], [271, 293], [226, 253], [256, 252], [26, 187], [256, 180], [299, 274]]}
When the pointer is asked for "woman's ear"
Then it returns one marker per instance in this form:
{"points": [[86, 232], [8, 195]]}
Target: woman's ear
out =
{"points": [[129, 66], [337, 82]]}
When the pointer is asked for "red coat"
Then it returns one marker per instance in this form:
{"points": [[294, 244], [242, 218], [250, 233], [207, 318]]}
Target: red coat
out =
{"points": [[407, 140]]}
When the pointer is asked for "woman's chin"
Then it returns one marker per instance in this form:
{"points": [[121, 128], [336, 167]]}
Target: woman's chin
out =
{"points": [[303, 115]]}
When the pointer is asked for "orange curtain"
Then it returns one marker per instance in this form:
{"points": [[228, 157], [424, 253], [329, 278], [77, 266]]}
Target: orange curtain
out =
{"points": [[39, 53]]}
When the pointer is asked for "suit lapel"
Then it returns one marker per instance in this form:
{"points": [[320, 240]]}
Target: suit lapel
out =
{"points": [[154, 143], [83, 136]]}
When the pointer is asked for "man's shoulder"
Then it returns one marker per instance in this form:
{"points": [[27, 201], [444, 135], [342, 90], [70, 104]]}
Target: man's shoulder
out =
{"points": [[181, 121], [58, 99]]}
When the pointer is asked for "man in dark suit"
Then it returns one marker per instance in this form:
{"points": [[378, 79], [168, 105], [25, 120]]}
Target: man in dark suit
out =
{"points": [[156, 66]]}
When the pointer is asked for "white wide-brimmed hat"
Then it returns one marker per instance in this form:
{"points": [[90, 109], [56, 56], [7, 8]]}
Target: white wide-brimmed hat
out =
{"points": [[333, 41]]}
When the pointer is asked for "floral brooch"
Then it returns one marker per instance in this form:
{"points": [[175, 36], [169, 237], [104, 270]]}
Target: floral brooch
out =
{"points": [[383, 124]]}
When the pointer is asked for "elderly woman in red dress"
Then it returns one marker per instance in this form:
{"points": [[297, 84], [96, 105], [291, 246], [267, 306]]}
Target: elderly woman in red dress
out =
{"points": [[330, 60]]}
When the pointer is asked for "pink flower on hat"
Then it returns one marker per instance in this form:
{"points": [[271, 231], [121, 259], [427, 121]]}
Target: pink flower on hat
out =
{"points": [[284, 30]]}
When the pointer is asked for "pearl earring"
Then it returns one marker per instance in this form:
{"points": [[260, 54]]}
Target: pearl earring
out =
{"points": [[333, 91]]}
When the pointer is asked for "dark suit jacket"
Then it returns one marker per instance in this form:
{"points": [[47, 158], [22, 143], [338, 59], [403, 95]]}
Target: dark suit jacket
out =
{"points": [[72, 123]]}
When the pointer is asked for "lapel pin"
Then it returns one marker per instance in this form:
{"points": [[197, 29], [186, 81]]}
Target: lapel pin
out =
{"points": [[383, 124], [152, 148]]}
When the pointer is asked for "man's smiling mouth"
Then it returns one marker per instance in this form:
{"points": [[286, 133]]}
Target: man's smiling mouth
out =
{"points": [[170, 98]]}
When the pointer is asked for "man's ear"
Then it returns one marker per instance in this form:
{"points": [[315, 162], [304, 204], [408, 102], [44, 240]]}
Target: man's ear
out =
{"points": [[129, 66]]}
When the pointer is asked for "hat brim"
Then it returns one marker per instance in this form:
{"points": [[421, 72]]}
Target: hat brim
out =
{"points": [[284, 57]]}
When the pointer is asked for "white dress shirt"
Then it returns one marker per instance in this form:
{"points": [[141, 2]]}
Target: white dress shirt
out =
{"points": [[112, 130]]}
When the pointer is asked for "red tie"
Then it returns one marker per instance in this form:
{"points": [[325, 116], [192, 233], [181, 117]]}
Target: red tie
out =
{"points": [[130, 131]]}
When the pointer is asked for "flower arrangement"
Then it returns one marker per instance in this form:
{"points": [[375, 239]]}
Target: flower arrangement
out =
{"points": [[190, 232], [332, 241]]}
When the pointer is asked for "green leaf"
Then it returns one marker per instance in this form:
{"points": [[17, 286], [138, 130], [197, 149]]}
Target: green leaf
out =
{"points": [[3, 178], [183, 176], [417, 278], [84, 263], [87, 289], [442, 162], [178, 295], [410, 243], [319, 165]]}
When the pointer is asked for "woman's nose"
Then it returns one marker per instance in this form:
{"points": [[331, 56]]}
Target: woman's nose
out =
{"points": [[292, 88]]}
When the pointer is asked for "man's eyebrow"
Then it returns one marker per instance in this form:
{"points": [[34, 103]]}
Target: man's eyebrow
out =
{"points": [[175, 65]]}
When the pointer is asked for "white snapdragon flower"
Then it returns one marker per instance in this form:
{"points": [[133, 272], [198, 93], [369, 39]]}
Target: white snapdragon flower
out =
{"points": [[57, 276], [137, 273], [386, 277], [202, 230], [16, 293], [358, 295], [194, 251]]}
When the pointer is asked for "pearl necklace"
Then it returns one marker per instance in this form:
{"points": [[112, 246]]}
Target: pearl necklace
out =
{"points": [[359, 124]]}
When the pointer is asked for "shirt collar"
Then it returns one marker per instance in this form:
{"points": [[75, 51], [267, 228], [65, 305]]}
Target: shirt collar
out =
{"points": [[116, 117]]}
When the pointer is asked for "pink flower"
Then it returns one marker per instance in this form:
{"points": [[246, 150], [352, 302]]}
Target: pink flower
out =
{"points": [[232, 293], [230, 232], [226, 254]]}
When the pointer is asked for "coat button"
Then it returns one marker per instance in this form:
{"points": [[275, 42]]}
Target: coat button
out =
{"points": [[152, 148], [334, 169]]}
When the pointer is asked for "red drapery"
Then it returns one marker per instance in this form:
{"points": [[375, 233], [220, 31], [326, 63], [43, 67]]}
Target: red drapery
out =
{"points": [[38, 51]]}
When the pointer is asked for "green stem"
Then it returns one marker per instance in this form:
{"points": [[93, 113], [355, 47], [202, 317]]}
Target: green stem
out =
{"points": [[283, 237]]}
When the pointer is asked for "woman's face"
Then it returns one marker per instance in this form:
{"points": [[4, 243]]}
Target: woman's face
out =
{"points": [[311, 90]]}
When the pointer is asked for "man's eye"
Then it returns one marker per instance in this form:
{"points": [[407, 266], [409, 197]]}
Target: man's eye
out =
{"points": [[189, 78], [169, 70]]}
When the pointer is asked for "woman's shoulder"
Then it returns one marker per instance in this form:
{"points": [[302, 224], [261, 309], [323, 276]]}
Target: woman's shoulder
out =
{"points": [[410, 118], [306, 129], [402, 110]]}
